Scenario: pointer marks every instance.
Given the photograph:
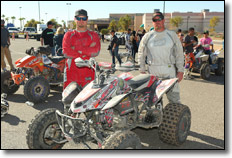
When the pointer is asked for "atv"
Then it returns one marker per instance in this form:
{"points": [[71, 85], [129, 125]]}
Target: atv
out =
{"points": [[202, 64], [37, 72], [106, 111]]}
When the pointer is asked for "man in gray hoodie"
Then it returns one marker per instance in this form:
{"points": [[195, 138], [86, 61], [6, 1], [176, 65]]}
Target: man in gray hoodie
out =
{"points": [[164, 53]]}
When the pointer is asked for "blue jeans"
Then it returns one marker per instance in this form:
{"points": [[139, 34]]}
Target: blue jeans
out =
{"points": [[115, 53], [209, 52], [53, 51]]}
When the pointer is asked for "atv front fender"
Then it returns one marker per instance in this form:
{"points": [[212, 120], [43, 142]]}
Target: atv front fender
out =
{"points": [[114, 101]]}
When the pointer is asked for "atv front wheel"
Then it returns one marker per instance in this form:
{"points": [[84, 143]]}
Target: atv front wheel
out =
{"points": [[43, 130], [176, 123], [205, 71], [122, 140], [7, 84], [36, 89], [220, 70]]}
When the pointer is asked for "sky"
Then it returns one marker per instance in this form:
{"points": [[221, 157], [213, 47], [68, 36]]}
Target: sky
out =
{"points": [[59, 10]]}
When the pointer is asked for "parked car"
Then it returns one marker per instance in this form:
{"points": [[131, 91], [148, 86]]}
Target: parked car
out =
{"points": [[107, 37], [31, 32], [13, 30], [122, 37]]}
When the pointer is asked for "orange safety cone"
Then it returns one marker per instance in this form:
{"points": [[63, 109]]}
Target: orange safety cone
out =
{"points": [[13, 36], [27, 38]]}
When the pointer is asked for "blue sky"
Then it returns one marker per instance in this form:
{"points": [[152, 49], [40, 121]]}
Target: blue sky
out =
{"points": [[99, 9]]}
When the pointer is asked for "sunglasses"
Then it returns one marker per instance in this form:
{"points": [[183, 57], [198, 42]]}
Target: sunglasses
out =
{"points": [[155, 20], [79, 18]]}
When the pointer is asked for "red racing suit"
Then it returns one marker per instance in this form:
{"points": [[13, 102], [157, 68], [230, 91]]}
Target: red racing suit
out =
{"points": [[79, 44]]}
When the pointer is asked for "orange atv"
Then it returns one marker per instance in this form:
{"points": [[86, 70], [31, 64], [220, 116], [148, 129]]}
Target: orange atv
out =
{"points": [[36, 72]]}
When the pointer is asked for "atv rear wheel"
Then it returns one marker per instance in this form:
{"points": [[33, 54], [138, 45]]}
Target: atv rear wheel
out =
{"points": [[176, 123], [220, 70], [7, 84], [43, 130], [122, 140], [205, 71], [36, 89]]}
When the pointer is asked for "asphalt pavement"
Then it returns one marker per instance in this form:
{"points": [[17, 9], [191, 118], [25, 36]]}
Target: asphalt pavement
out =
{"points": [[204, 98]]}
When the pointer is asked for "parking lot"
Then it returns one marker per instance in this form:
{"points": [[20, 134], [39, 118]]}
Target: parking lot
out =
{"points": [[204, 98]]}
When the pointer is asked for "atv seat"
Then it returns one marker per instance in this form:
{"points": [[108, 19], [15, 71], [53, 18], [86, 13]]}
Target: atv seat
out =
{"points": [[139, 81], [56, 59]]}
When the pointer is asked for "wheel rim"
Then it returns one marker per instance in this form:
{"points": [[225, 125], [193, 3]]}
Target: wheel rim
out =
{"points": [[222, 69], [207, 71], [184, 127], [38, 90], [8, 83], [51, 133]]}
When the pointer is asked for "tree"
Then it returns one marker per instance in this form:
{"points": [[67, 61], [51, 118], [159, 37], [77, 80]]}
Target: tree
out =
{"points": [[32, 23], [113, 25], [13, 18], [214, 22], [124, 22], [176, 21], [104, 31], [64, 25], [3, 16], [7, 18]]}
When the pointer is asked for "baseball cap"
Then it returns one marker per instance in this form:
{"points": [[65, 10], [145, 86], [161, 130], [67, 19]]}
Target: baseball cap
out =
{"points": [[112, 31], [81, 12], [158, 14], [49, 23], [206, 32]]}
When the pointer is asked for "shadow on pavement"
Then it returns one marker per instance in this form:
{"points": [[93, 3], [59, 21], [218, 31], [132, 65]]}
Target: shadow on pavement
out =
{"points": [[18, 98], [146, 135], [213, 79], [53, 101], [12, 120]]}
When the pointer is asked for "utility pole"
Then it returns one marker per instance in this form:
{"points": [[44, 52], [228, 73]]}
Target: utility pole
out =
{"points": [[164, 8], [20, 18], [68, 4], [39, 10]]}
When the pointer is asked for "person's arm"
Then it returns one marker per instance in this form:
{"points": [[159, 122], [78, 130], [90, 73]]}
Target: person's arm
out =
{"points": [[8, 38], [179, 58], [142, 53], [211, 44], [42, 41]]}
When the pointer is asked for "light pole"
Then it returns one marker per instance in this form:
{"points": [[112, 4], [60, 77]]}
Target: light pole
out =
{"points": [[46, 17], [39, 10], [68, 4], [187, 22], [20, 18]]}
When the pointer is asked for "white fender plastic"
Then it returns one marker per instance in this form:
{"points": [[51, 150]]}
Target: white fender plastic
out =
{"points": [[114, 101]]}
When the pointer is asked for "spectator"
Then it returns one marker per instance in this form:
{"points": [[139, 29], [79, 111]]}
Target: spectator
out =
{"points": [[5, 43], [103, 37], [58, 40], [127, 40], [114, 48], [133, 40], [47, 37], [164, 53], [189, 42], [80, 43], [206, 42]]}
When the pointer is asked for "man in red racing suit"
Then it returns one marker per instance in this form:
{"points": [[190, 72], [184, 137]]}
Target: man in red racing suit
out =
{"points": [[80, 43]]}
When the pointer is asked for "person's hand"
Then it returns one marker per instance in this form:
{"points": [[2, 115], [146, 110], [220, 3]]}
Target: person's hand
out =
{"points": [[180, 76]]}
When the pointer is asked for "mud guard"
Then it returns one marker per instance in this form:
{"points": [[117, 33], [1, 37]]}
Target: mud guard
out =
{"points": [[114, 101]]}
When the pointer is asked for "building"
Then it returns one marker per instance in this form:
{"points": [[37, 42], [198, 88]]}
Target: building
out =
{"points": [[200, 20]]}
